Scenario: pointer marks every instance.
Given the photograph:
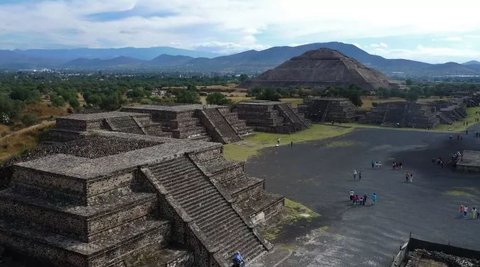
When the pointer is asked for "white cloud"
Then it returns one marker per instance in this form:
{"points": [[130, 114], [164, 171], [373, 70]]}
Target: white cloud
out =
{"points": [[233, 25]]}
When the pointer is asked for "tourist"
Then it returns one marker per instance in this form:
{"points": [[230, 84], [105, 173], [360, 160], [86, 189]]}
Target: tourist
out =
{"points": [[450, 137], [351, 195], [462, 209], [359, 175], [354, 174], [373, 164], [394, 165], [364, 199], [474, 213], [360, 201], [355, 199], [291, 143], [400, 165], [238, 260], [374, 198], [407, 176], [411, 177], [465, 211], [278, 141]]}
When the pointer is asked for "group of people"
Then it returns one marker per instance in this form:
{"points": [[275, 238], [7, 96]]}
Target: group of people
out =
{"points": [[361, 200], [465, 212], [459, 137], [397, 165], [376, 164]]}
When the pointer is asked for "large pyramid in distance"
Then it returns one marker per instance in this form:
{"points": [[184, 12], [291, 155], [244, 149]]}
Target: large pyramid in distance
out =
{"points": [[320, 69]]}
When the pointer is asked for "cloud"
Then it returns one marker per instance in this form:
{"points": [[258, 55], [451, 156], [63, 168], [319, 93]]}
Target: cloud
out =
{"points": [[231, 25]]}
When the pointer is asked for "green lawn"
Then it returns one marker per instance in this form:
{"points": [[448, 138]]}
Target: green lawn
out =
{"points": [[251, 145]]}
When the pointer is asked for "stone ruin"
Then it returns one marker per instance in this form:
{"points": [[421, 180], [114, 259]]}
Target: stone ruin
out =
{"points": [[320, 109], [449, 111], [469, 162], [421, 253], [110, 198], [321, 69], [402, 114], [271, 116], [425, 114], [194, 122]]}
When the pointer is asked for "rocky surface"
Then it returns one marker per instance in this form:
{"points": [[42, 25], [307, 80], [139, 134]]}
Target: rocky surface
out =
{"points": [[442, 258], [319, 69]]}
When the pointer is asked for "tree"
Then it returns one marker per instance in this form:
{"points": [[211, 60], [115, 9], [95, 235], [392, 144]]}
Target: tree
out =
{"points": [[268, 94], [243, 77], [188, 96], [57, 101], [217, 99]]}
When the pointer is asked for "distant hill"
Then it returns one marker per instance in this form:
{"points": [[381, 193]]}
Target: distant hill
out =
{"points": [[251, 62]]}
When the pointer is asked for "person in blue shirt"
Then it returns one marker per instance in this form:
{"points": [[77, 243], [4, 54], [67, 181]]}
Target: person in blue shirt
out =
{"points": [[238, 260], [374, 198]]}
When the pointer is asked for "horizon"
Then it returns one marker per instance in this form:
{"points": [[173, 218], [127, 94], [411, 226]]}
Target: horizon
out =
{"points": [[428, 32]]}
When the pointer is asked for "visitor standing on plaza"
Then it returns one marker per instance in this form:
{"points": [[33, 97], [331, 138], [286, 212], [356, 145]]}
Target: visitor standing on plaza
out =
{"points": [[364, 199], [351, 194], [359, 175], [462, 209], [374, 198], [474, 213], [465, 211], [355, 174], [278, 141]]}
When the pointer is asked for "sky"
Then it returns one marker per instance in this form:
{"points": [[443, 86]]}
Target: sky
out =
{"points": [[431, 31]]}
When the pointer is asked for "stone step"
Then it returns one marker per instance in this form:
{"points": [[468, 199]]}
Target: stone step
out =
{"points": [[155, 256], [63, 251], [83, 222], [214, 212]]}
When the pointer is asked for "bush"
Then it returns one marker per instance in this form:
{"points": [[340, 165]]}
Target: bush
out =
{"points": [[217, 99], [29, 119], [187, 96], [268, 94], [57, 101]]}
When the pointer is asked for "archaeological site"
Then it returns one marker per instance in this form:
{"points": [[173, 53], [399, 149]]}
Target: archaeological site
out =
{"points": [[137, 186]]}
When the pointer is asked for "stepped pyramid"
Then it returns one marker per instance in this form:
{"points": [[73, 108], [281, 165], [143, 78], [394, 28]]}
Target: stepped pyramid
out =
{"points": [[319, 69]]}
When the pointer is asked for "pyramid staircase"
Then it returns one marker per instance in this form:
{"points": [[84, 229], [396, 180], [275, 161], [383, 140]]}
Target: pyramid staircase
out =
{"points": [[126, 124], [211, 218], [292, 116], [219, 126]]}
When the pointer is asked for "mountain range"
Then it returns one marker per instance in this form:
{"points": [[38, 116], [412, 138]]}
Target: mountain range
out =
{"points": [[168, 59]]}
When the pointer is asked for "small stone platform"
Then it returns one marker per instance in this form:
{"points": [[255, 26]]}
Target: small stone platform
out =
{"points": [[470, 161], [271, 116], [198, 122], [402, 114], [319, 109]]}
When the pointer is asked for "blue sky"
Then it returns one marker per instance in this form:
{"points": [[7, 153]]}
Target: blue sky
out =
{"points": [[431, 31]]}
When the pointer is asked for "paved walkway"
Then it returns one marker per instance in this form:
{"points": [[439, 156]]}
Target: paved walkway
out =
{"points": [[320, 175]]}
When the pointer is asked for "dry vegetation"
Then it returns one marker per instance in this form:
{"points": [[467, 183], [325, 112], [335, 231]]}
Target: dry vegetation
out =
{"points": [[18, 142]]}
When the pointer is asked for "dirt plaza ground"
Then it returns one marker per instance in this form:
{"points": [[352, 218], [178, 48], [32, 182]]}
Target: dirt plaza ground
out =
{"points": [[320, 174]]}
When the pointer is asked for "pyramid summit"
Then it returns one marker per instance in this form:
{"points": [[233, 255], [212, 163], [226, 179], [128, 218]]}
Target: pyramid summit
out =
{"points": [[321, 68]]}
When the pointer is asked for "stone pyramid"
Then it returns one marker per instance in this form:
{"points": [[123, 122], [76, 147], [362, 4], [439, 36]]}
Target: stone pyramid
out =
{"points": [[319, 69]]}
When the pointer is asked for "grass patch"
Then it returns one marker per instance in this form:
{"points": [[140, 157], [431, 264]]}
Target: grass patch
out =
{"points": [[21, 141], [293, 101], [338, 144], [251, 145], [293, 213], [462, 192], [458, 193], [459, 126]]}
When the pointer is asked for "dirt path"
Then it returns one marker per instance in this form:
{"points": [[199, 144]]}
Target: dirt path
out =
{"points": [[39, 126]]}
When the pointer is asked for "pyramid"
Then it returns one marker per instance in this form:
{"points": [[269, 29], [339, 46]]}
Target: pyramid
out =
{"points": [[320, 69]]}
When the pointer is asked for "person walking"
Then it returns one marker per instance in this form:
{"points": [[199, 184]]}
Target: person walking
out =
{"points": [[474, 213], [351, 194], [364, 199], [462, 209], [465, 211], [278, 141], [407, 176], [411, 177], [359, 175], [355, 174], [373, 164], [374, 198]]}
